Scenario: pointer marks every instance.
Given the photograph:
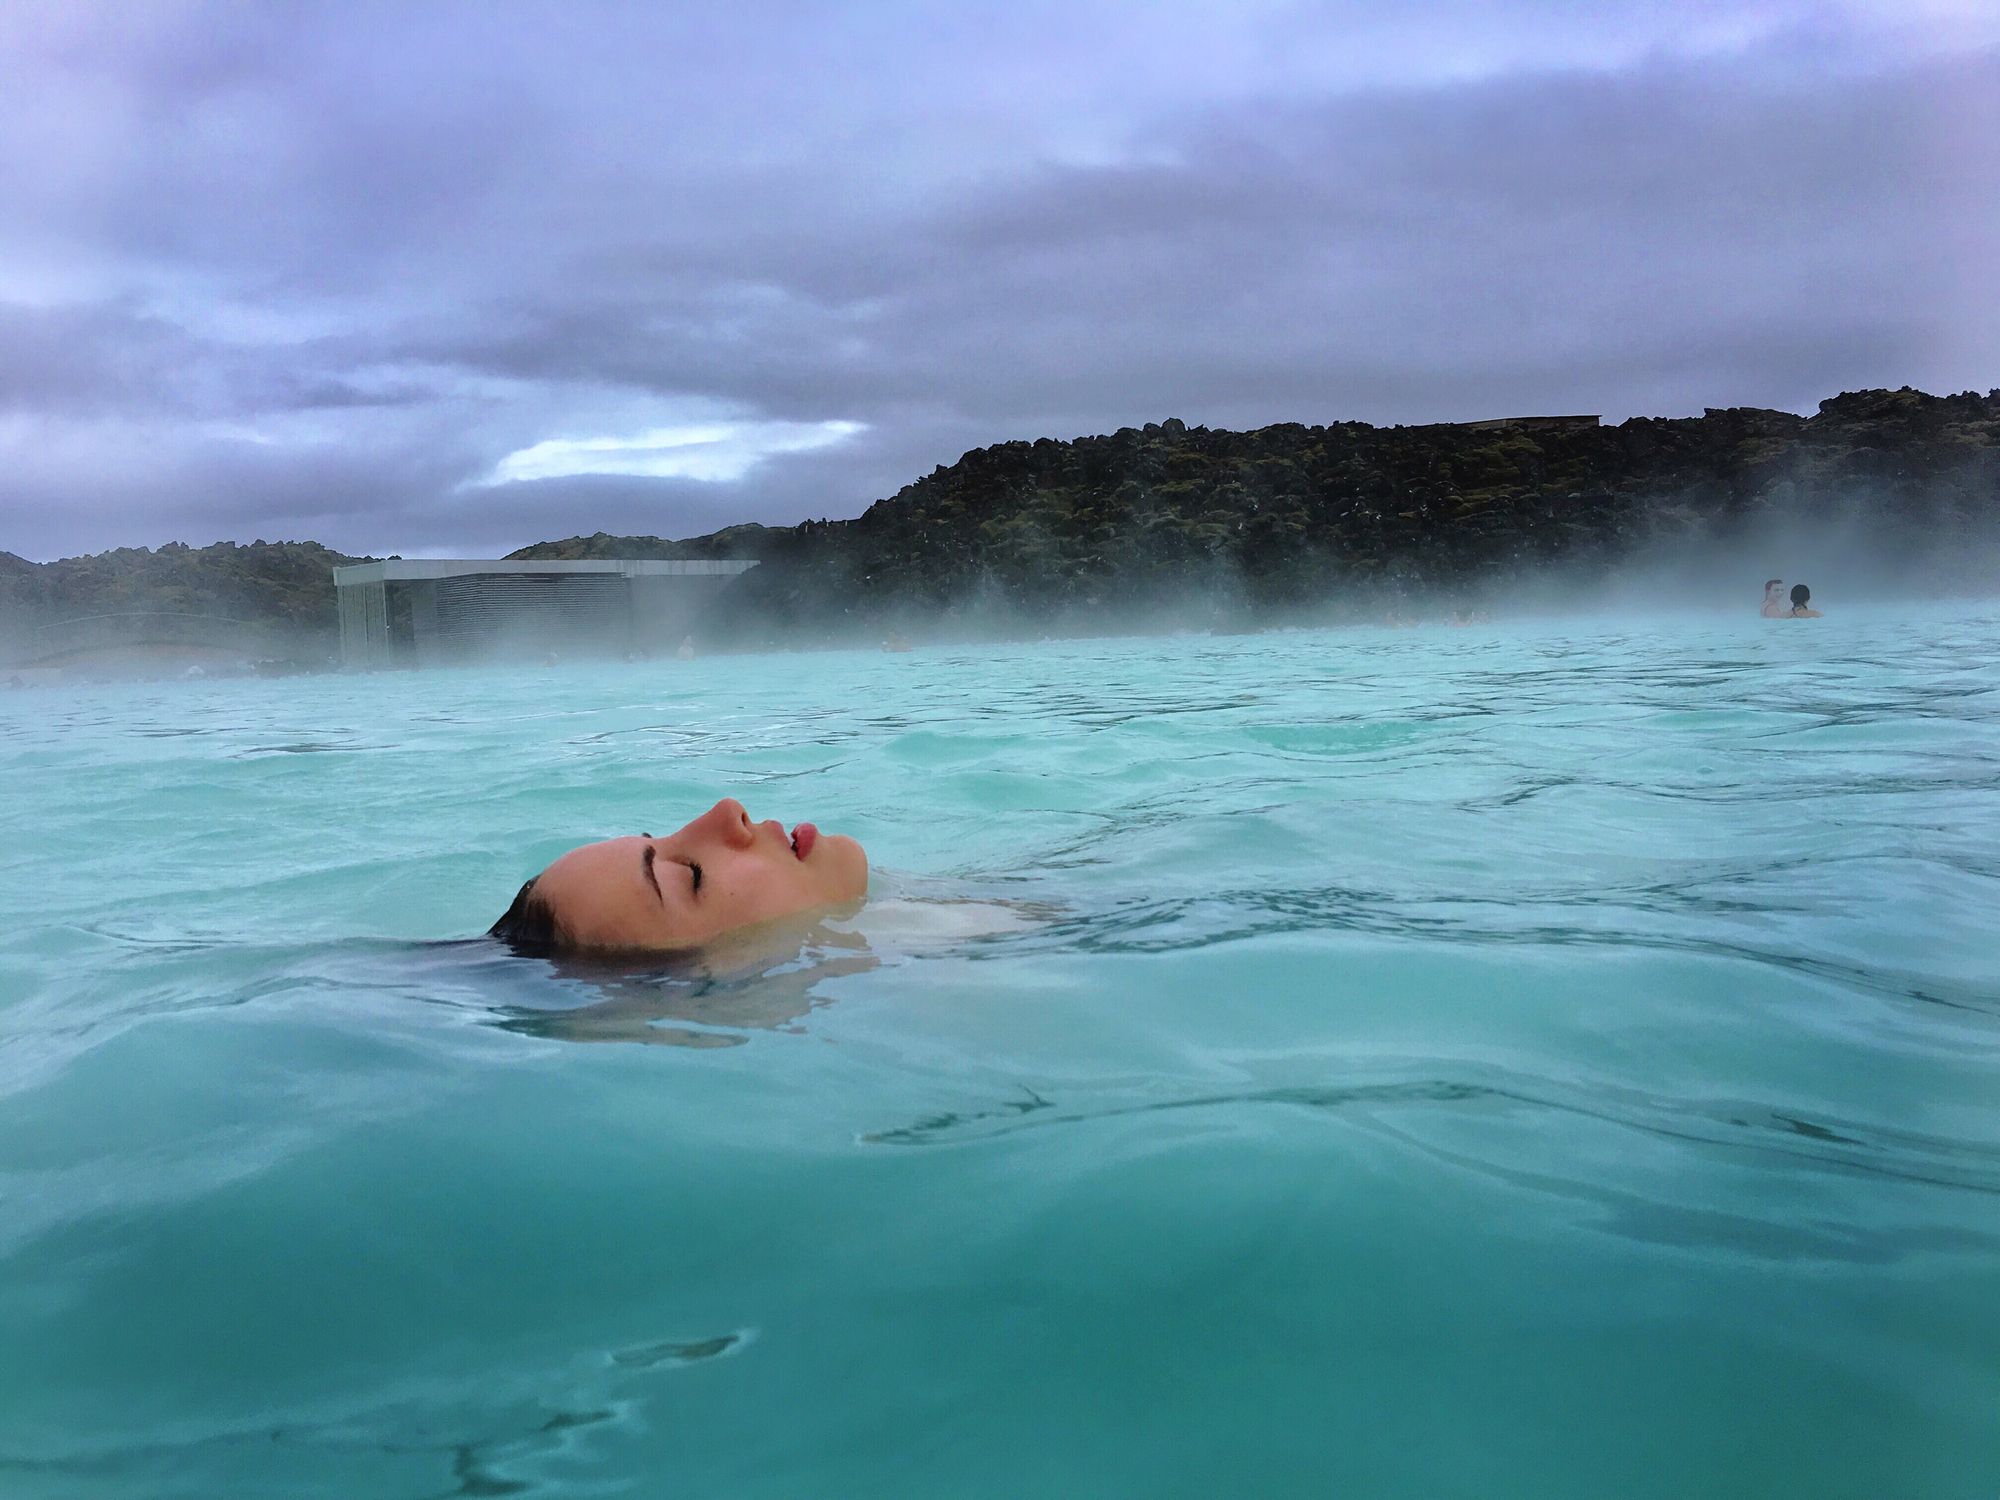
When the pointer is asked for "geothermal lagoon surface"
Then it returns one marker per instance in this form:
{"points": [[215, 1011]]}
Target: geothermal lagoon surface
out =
{"points": [[1557, 1059]]}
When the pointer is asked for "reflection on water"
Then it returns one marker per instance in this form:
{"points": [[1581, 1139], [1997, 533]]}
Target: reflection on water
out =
{"points": [[762, 979], [761, 983]]}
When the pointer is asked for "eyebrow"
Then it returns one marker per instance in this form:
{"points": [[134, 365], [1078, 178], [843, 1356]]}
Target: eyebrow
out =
{"points": [[646, 863]]}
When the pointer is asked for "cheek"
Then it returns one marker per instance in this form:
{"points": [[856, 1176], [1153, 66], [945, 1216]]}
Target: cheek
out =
{"points": [[758, 885]]}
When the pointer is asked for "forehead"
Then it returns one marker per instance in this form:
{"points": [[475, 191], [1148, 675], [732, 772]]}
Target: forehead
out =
{"points": [[591, 861], [599, 892]]}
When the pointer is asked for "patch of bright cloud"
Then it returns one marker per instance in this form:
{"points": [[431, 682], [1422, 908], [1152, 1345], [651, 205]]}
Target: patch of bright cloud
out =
{"points": [[713, 451]]}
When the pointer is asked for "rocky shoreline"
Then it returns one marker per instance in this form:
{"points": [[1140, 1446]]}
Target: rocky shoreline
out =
{"points": [[1261, 523]]}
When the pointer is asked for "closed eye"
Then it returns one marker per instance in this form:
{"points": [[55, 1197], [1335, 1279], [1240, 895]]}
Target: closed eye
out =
{"points": [[646, 859]]}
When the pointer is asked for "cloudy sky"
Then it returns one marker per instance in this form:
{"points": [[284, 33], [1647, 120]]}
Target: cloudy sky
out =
{"points": [[450, 278]]}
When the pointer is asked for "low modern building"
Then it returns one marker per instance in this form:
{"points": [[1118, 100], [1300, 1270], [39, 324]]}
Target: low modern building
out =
{"points": [[1534, 424], [429, 612]]}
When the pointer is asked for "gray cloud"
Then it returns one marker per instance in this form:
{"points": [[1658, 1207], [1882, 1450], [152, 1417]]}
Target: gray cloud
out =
{"points": [[316, 270]]}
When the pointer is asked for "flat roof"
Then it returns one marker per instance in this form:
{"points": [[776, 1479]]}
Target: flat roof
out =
{"points": [[1593, 418], [402, 570]]}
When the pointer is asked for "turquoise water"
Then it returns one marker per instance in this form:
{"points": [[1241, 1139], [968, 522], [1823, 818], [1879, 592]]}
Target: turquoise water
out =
{"points": [[1551, 1060]]}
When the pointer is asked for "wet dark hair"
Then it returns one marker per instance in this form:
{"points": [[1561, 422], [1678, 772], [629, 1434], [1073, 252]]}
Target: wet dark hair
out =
{"points": [[529, 926], [1800, 593]]}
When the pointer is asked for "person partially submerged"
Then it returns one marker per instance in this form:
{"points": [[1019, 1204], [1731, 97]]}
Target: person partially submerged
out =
{"points": [[1802, 604], [1775, 607], [719, 874]]}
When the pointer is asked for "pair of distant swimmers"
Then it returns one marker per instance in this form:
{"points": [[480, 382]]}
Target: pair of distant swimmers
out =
{"points": [[1775, 607]]}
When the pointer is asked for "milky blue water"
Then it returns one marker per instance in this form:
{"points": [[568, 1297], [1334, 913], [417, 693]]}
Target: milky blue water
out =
{"points": [[1549, 1060]]}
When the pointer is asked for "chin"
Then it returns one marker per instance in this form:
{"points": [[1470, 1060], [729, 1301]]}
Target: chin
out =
{"points": [[852, 866]]}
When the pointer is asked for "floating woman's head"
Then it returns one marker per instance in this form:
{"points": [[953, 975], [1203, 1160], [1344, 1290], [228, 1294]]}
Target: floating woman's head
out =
{"points": [[720, 873], [1800, 595]]}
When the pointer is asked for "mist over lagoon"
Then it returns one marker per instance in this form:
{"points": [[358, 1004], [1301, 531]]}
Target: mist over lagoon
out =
{"points": [[1881, 494]]}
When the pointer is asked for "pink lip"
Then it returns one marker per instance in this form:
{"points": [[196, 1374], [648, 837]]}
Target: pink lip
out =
{"points": [[803, 838]]}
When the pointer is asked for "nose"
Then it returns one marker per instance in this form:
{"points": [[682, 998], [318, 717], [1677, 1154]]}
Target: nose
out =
{"points": [[731, 823]]}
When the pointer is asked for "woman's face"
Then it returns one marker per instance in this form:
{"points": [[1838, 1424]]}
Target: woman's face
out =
{"points": [[720, 872]]}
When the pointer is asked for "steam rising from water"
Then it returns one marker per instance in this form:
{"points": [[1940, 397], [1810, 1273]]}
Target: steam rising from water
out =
{"points": [[1847, 551], [1846, 548]]}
